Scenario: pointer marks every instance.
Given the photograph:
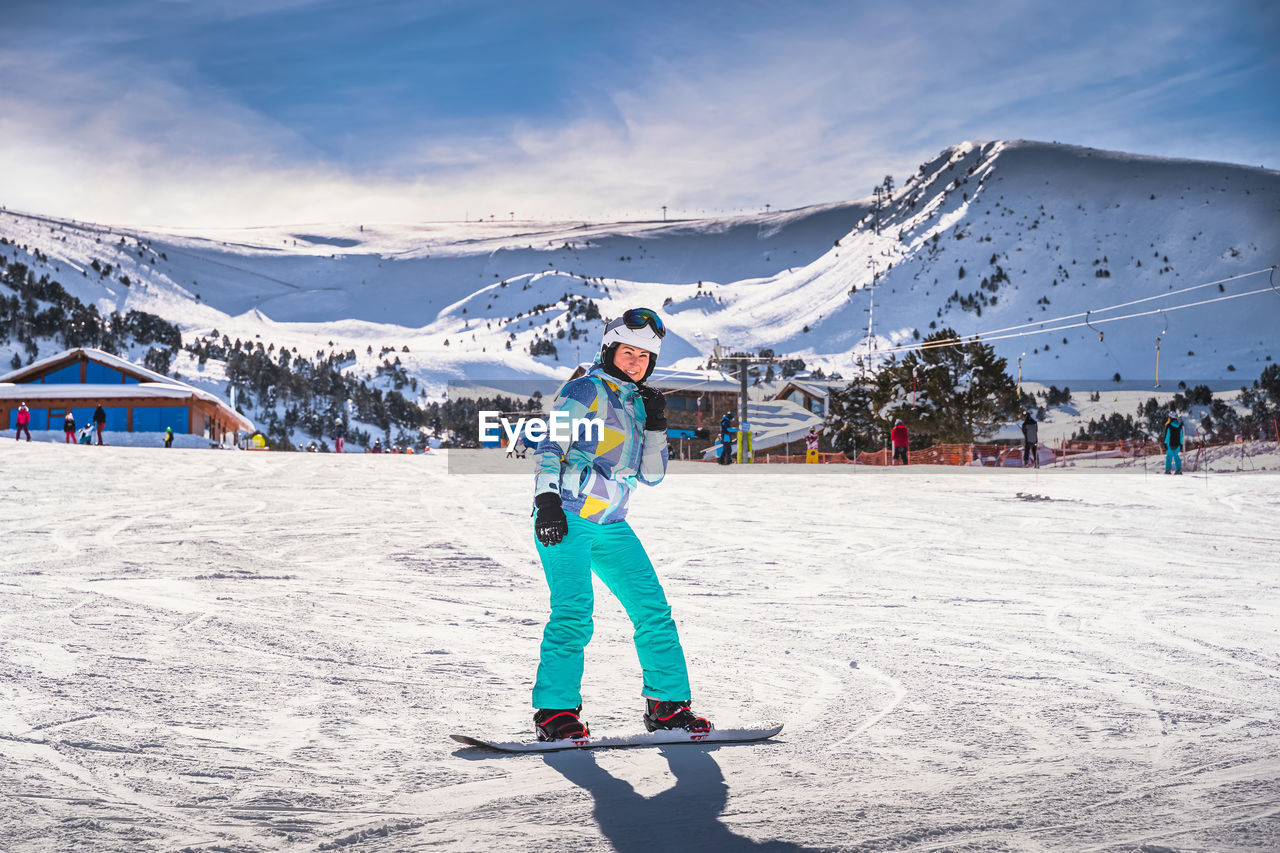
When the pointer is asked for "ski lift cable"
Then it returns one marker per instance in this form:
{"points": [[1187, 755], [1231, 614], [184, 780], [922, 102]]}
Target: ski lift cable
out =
{"points": [[984, 337], [1138, 314], [1129, 303], [1102, 340], [1146, 313], [996, 334]]}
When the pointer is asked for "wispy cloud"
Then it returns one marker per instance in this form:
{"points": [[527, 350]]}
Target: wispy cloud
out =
{"points": [[783, 111]]}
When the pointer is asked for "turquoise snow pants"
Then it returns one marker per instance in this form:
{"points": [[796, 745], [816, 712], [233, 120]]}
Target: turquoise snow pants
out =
{"points": [[1173, 459], [616, 556]]}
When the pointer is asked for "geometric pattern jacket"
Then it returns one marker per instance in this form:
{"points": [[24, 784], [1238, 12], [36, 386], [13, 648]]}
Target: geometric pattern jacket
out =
{"points": [[595, 475]]}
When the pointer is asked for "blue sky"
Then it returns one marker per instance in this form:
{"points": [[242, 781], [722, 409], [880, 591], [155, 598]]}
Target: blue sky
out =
{"points": [[240, 112]]}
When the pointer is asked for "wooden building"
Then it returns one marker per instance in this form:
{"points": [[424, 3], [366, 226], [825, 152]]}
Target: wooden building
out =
{"points": [[810, 395], [135, 399]]}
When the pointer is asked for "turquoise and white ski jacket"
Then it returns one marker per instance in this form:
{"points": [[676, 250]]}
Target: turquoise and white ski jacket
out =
{"points": [[597, 469]]}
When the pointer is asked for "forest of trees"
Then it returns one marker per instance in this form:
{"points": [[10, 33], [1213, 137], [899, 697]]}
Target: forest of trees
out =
{"points": [[1210, 417], [281, 391], [958, 393], [287, 393], [34, 309]]}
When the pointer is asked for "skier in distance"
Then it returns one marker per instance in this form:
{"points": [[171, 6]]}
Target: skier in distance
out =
{"points": [[726, 439], [1172, 445], [1030, 441], [898, 438], [581, 491]]}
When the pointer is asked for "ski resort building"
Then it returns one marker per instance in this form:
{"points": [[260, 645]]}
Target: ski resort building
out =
{"points": [[135, 399], [779, 425], [695, 401], [810, 395]]}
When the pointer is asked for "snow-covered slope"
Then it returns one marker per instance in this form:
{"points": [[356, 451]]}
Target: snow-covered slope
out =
{"points": [[1054, 231], [982, 660]]}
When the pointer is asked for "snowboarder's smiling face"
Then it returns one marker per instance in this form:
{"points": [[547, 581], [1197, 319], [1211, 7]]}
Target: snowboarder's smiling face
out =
{"points": [[632, 361]]}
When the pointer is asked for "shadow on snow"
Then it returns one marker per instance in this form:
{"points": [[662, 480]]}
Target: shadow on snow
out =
{"points": [[683, 817]]}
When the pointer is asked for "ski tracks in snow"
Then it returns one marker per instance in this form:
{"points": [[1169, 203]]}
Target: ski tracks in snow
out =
{"points": [[261, 652]]}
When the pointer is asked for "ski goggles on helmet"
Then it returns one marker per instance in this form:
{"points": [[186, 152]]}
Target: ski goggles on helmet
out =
{"points": [[638, 318]]}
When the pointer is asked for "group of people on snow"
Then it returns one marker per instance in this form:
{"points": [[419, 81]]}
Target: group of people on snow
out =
{"points": [[98, 422], [338, 433], [379, 447], [1172, 440]]}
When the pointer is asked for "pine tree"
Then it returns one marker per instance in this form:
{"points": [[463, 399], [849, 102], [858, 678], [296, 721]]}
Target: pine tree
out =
{"points": [[962, 393], [851, 420]]}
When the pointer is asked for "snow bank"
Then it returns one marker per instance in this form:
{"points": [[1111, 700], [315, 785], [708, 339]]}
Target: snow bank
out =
{"points": [[272, 658]]}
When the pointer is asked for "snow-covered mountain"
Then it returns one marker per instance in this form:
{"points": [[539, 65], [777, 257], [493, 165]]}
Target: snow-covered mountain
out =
{"points": [[987, 236]]}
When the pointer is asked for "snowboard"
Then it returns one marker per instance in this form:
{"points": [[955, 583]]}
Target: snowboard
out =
{"points": [[658, 738]]}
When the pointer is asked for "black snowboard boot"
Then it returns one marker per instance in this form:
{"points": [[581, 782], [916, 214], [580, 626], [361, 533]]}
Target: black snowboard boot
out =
{"points": [[555, 724], [673, 715]]}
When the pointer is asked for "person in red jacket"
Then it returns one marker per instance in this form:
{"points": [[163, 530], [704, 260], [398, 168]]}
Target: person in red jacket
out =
{"points": [[898, 437], [24, 422]]}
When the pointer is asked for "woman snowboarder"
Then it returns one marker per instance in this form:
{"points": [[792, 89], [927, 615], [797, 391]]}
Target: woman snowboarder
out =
{"points": [[581, 492]]}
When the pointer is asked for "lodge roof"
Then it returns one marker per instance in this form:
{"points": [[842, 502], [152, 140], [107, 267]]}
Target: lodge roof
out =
{"points": [[18, 385], [812, 388], [41, 366]]}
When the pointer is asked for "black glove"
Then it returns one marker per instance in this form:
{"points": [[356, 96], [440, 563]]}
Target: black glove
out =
{"points": [[550, 525], [655, 408]]}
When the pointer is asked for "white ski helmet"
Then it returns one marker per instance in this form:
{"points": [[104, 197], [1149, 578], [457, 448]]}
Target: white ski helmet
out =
{"points": [[638, 327]]}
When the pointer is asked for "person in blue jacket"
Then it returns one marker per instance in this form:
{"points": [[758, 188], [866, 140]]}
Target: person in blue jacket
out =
{"points": [[726, 439], [1173, 445], [581, 491]]}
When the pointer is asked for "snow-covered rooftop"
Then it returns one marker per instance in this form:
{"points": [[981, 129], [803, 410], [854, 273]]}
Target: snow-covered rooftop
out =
{"points": [[672, 379], [113, 391], [152, 384], [774, 423], [124, 365]]}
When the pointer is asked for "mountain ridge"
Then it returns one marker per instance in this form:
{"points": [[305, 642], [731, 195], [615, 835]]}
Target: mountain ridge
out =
{"points": [[984, 236]]}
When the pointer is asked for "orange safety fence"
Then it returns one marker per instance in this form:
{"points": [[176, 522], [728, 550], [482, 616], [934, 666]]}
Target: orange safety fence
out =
{"points": [[991, 455], [800, 458], [938, 454]]}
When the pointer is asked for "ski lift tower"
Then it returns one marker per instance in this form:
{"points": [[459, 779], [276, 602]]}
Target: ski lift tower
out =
{"points": [[742, 361], [871, 317]]}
